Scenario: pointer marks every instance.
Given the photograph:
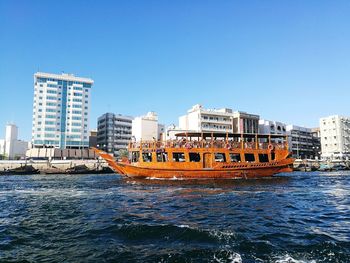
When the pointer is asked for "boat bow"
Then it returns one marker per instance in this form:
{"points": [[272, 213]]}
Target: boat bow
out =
{"points": [[110, 160]]}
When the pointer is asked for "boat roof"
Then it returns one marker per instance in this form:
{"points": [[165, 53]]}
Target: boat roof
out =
{"points": [[227, 135]]}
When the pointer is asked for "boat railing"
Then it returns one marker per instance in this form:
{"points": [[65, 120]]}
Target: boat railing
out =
{"points": [[218, 144]]}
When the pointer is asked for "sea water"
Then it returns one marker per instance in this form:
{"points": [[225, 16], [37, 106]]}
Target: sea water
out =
{"points": [[295, 217]]}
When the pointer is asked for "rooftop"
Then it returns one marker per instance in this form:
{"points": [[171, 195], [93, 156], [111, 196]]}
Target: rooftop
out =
{"points": [[63, 76]]}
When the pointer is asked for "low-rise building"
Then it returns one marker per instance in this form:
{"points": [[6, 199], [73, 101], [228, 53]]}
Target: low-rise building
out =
{"points": [[199, 119], [206, 120], [172, 130], [272, 127], [244, 122], [316, 142], [147, 128], [161, 132], [11, 147], [2, 149], [300, 142], [93, 139], [335, 137], [113, 132]]}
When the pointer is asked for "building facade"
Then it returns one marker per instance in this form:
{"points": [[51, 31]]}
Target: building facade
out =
{"points": [[206, 120], [61, 111], [11, 147], [335, 137], [316, 142], [147, 128], [272, 127], [113, 132], [172, 130], [93, 139], [223, 120], [244, 122], [300, 142]]}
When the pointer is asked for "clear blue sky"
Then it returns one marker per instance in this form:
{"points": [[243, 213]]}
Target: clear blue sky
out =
{"points": [[284, 60]]}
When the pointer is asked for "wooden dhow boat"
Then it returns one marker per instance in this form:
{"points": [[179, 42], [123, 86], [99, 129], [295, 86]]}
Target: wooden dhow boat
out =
{"points": [[205, 156]]}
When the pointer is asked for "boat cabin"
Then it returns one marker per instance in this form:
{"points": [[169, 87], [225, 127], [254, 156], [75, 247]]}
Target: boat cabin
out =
{"points": [[208, 150]]}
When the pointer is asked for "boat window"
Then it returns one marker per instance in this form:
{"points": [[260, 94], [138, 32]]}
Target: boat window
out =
{"points": [[162, 157], [220, 157], [195, 157], [147, 157], [235, 157], [178, 157], [273, 156], [135, 156], [263, 158], [249, 157]]}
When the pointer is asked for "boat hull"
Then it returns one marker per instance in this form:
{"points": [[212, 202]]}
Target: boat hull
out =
{"points": [[205, 173]]}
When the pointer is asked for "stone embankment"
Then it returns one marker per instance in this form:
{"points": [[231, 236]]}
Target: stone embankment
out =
{"points": [[54, 166]]}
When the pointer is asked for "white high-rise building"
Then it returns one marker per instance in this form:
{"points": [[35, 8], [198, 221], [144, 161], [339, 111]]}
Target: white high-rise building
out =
{"points": [[61, 111], [335, 137]]}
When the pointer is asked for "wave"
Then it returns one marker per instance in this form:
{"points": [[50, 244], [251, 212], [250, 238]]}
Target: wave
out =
{"points": [[288, 259]]}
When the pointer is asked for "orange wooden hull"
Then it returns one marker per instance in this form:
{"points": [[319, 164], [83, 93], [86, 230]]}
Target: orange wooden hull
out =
{"points": [[205, 173], [185, 171]]}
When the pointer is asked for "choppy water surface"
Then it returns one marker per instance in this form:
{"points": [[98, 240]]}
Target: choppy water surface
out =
{"points": [[299, 217]]}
